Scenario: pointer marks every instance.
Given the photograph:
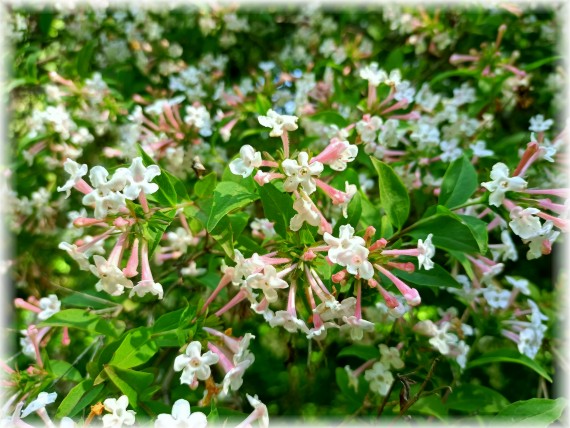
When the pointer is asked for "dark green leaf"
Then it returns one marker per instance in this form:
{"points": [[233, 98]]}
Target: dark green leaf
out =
{"points": [[277, 207], [394, 196], [476, 398], [459, 183], [509, 356], [81, 319], [361, 351]]}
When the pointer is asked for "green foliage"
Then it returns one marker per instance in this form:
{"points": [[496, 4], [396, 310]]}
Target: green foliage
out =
{"points": [[537, 412], [459, 183], [394, 198]]}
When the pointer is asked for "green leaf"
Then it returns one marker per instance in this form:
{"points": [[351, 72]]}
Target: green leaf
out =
{"points": [[476, 398], [459, 183], [435, 277], [354, 398], [80, 396], [166, 194], [130, 382], [262, 104], [84, 57], [228, 196], [330, 117], [541, 62], [62, 369], [394, 196], [509, 356], [450, 231], [81, 319], [536, 412], [135, 349], [277, 207], [155, 228], [361, 351], [206, 185]]}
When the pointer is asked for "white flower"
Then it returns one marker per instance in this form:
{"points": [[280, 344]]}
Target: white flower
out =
{"points": [[427, 251], [248, 160], [193, 364], [524, 224], [41, 401], [268, 282], [288, 322], [111, 278], [520, 284], [450, 150], [260, 410], [49, 305], [278, 122], [234, 378], [536, 245], [346, 241], [80, 257], [404, 91], [480, 149], [442, 339], [349, 251], [181, 417], [306, 213], [157, 107], [390, 357], [181, 239], [357, 263], [264, 226], [331, 308], [75, 171], [506, 250], [380, 378], [461, 351], [106, 195], [530, 340], [200, 118], [502, 183], [394, 79], [356, 326], [192, 270], [538, 124], [139, 179], [301, 173], [374, 75], [147, 286], [497, 299], [119, 413]]}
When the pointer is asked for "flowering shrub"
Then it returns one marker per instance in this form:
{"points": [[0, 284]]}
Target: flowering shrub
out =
{"points": [[223, 216]]}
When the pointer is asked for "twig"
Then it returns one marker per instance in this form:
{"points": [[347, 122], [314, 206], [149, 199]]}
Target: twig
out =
{"points": [[411, 402]]}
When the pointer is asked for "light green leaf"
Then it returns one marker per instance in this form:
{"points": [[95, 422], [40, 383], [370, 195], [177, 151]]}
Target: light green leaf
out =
{"points": [[135, 349], [536, 412], [228, 196], [130, 382]]}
